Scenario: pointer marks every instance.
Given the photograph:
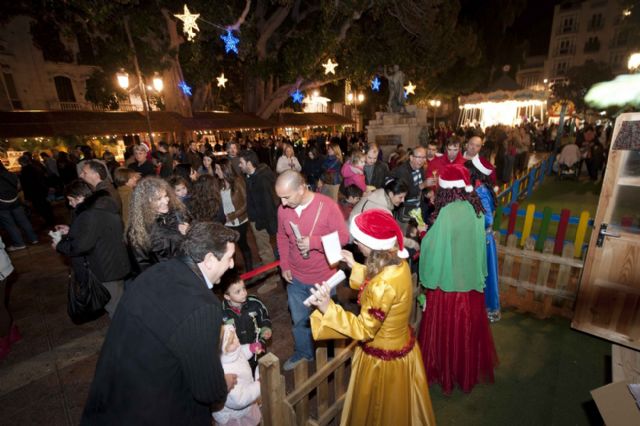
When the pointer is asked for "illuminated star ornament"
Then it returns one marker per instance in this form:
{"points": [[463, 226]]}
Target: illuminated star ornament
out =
{"points": [[189, 23], [410, 88], [230, 42], [185, 88], [297, 96], [330, 67], [222, 80], [375, 84]]}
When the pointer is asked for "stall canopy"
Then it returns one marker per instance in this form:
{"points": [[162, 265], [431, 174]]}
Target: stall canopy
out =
{"points": [[310, 119], [225, 121], [504, 102]]}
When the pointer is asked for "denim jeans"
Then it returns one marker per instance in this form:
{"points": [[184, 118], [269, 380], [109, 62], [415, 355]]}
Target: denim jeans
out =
{"points": [[297, 292], [11, 219]]}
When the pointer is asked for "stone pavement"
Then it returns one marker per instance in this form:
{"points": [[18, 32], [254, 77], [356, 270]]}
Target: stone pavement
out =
{"points": [[46, 377]]}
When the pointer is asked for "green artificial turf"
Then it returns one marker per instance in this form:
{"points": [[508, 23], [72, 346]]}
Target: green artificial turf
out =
{"points": [[545, 375]]}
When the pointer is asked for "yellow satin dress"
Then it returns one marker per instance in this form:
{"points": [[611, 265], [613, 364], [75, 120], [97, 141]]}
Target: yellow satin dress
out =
{"points": [[388, 385]]}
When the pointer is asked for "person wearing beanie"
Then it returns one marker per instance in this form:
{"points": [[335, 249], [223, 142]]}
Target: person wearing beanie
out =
{"points": [[483, 177], [388, 385], [455, 338]]}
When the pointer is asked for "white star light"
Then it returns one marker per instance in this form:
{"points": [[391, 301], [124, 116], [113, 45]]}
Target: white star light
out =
{"points": [[189, 23], [410, 88], [222, 80], [330, 67]]}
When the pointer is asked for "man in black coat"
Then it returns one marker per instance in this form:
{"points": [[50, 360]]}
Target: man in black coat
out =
{"points": [[375, 171], [36, 188], [160, 362], [261, 205], [412, 174]]}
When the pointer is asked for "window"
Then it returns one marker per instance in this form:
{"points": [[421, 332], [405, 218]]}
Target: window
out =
{"points": [[621, 38], [596, 22], [568, 25], [565, 47], [561, 68], [64, 89], [616, 60], [592, 45], [12, 91]]}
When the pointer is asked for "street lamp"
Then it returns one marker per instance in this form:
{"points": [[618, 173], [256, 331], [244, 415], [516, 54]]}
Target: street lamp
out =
{"points": [[158, 84], [435, 103], [123, 78], [634, 62], [355, 98]]}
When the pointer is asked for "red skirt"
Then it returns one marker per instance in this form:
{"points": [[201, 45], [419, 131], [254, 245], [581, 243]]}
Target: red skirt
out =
{"points": [[455, 339]]}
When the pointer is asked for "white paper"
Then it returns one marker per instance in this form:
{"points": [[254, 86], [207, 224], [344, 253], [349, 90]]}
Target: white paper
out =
{"points": [[332, 247], [332, 282], [296, 230]]}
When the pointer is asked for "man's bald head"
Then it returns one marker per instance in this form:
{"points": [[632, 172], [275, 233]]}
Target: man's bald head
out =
{"points": [[291, 188], [474, 146]]}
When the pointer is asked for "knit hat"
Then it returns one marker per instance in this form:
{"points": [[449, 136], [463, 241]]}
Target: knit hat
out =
{"points": [[378, 230], [455, 176], [485, 167]]}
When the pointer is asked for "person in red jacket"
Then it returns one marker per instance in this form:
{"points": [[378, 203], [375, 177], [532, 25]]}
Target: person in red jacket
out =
{"points": [[452, 156], [302, 258]]}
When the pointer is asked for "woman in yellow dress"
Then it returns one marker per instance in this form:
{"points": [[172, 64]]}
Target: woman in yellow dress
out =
{"points": [[388, 385]]}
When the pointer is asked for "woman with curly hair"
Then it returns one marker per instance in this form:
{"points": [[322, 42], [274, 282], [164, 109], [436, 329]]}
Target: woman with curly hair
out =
{"points": [[157, 224], [206, 205], [233, 195], [455, 338]]}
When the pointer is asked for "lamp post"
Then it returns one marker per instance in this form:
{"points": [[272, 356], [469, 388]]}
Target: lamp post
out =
{"points": [[435, 103], [355, 98], [157, 81]]}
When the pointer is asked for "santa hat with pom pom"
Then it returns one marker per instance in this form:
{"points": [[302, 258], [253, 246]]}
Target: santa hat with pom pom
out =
{"points": [[455, 176], [485, 167], [378, 230]]}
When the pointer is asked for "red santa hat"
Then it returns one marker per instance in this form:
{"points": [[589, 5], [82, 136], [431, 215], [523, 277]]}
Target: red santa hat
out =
{"points": [[455, 176], [378, 230], [485, 167]]}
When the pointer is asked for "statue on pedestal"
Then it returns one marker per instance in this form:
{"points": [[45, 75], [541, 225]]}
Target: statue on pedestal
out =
{"points": [[396, 90]]}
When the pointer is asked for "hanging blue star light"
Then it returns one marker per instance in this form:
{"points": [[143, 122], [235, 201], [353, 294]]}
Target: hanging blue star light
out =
{"points": [[230, 42], [375, 84], [297, 96], [185, 88]]}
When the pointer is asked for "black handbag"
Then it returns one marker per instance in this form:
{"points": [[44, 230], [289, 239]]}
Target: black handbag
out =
{"points": [[87, 297]]}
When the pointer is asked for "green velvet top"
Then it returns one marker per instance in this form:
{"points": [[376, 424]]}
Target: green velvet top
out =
{"points": [[453, 254]]}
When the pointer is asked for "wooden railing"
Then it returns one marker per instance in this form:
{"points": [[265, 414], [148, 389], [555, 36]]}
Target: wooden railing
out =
{"points": [[522, 187], [317, 399]]}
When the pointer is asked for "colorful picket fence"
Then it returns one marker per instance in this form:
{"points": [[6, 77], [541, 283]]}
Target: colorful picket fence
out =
{"points": [[522, 187]]}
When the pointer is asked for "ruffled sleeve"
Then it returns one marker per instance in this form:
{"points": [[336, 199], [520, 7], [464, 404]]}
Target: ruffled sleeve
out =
{"points": [[338, 323]]}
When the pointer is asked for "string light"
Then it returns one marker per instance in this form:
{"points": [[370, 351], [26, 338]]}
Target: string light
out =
{"points": [[189, 23], [230, 42]]}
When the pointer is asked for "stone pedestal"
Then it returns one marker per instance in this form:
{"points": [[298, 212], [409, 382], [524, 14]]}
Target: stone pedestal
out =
{"points": [[391, 129]]}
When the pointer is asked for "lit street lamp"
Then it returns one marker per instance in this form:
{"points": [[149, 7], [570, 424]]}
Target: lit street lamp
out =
{"points": [[158, 84], [355, 99], [435, 103]]}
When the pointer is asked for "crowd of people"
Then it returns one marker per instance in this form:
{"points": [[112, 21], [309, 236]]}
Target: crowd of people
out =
{"points": [[161, 230]]}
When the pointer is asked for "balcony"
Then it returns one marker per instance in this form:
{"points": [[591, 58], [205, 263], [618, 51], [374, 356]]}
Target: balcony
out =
{"points": [[564, 51], [88, 106], [567, 29], [592, 46]]}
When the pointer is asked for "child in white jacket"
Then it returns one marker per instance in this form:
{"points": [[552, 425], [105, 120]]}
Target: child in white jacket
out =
{"points": [[241, 407]]}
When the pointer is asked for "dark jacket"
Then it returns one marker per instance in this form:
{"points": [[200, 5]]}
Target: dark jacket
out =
{"points": [[8, 190], [165, 241], [166, 164], [96, 233], [378, 176], [243, 320], [261, 204], [105, 185], [145, 169], [159, 364], [312, 170], [403, 172], [34, 182]]}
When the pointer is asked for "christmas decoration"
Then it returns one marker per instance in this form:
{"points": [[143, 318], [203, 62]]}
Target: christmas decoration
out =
{"points": [[222, 80], [410, 88], [230, 42], [375, 84], [330, 67], [189, 23], [185, 88], [297, 96]]}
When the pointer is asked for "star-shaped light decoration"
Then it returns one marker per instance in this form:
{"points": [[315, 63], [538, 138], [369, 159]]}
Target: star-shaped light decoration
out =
{"points": [[410, 88], [222, 80], [189, 23], [375, 84], [185, 88], [330, 67], [230, 42], [297, 96]]}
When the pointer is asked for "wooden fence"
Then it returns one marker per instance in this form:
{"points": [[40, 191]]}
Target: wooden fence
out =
{"points": [[522, 187]]}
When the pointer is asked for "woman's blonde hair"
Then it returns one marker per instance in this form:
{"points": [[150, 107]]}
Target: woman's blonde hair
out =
{"points": [[142, 212], [380, 259], [357, 156], [336, 150]]}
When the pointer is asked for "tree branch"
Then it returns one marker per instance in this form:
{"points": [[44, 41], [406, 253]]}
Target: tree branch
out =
{"points": [[242, 17], [272, 24]]}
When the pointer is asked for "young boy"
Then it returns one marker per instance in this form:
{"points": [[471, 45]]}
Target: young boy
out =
{"points": [[247, 314], [352, 195]]}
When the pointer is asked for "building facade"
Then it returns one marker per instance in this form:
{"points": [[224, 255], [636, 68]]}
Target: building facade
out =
{"points": [[588, 30]]}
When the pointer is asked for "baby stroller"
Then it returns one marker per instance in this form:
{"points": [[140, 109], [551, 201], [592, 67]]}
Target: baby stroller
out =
{"points": [[570, 172]]}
